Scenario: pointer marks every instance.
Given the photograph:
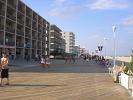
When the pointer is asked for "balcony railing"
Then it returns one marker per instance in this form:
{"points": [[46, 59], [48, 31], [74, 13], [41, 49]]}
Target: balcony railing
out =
{"points": [[28, 24], [10, 16], [21, 9], [20, 45], [28, 35], [1, 42], [9, 29], [11, 3], [28, 45], [2, 12], [10, 43], [20, 21], [1, 27], [19, 32], [3, 0]]}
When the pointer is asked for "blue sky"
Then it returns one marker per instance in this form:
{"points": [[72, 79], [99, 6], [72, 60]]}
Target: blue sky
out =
{"points": [[91, 21]]}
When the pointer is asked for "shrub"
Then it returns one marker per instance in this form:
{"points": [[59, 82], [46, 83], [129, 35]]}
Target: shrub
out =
{"points": [[132, 61], [124, 68]]}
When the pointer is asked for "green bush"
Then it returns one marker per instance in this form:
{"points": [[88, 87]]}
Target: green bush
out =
{"points": [[132, 61], [125, 69]]}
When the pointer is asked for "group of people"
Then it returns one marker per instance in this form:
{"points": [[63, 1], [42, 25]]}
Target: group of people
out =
{"points": [[45, 62], [70, 58]]}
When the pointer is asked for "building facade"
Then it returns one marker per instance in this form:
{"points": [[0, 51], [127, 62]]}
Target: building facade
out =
{"points": [[22, 31], [70, 41], [57, 43]]}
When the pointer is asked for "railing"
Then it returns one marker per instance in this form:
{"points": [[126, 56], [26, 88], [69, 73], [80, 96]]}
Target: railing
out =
{"points": [[20, 21], [9, 29], [19, 32], [1, 42], [2, 12], [10, 16], [21, 9], [20, 45], [1, 27], [11, 3], [10, 43]]}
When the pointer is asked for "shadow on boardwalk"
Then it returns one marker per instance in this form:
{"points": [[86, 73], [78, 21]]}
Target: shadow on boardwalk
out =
{"points": [[58, 66]]}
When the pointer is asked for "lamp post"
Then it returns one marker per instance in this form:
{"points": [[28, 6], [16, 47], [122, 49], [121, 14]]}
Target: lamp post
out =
{"points": [[100, 47], [105, 45], [114, 33]]}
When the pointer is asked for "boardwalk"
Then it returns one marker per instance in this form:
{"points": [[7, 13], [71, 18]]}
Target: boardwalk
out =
{"points": [[80, 81]]}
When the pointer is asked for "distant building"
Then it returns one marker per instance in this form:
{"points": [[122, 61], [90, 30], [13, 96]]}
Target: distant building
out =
{"points": [[57, 43], [22, 31], [82, 51], [70, 41], [76, 50]]}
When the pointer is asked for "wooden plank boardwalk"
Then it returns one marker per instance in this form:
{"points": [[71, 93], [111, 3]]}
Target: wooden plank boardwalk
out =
{"points": [[80, 81]]}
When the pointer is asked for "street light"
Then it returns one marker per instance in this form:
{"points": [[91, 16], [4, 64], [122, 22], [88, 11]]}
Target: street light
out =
{"points": [[114, 32], [100, 47], [105, 45]]}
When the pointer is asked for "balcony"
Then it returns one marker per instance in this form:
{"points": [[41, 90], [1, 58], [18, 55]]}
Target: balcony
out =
{"points": [[33, 44], [12, 3], [11, 14], [3, 1], [20, 45], [1, 41], [40, 20], [34, 16], [21, 7], [10, 29], [28, 22], [34, 25], [28, 12], [1, 23], [10, 43], [34, 35], [20, 30], [27, 45], [10, 26], [27, 33], [20, 18]]}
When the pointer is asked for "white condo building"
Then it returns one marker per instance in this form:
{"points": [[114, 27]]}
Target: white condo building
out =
{"points": [[70, 41]]}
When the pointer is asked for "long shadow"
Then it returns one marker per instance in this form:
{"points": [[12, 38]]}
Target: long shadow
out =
{"points": [[59, 66], [34, 85]]}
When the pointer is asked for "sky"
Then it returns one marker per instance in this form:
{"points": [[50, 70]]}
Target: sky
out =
{"points": [[91, 21]]}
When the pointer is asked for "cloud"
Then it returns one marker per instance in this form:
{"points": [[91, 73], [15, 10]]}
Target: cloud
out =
{"points": [[65, 11], [108, 4], [128, 21]]}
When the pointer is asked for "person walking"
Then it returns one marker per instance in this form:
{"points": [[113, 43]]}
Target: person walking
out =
{"points": [[4, 69]]}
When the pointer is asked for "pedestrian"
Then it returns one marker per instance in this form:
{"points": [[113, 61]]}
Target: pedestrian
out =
{"points": [[42, 62], [4, 69], [66, 59], [47, 61], [73, 58]]}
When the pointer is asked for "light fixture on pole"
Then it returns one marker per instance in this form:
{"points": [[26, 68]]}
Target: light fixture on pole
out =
{"points": [[105, 45], [100, 47], [114, 33]]}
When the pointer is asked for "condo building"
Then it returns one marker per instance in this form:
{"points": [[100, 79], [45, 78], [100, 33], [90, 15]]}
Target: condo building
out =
{"points": [[57, 43], [70, 41], [22, 31]]}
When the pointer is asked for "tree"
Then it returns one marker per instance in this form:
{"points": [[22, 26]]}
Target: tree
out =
{"points": [[132, 61]]}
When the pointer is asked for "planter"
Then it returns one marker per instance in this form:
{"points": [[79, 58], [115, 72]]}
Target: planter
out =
{"points": [[126, 81]]}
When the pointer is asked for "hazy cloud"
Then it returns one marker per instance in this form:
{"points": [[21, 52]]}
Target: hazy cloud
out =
{"points": [[65, 12], [108, 4], [128, 21], [65, 8]]}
